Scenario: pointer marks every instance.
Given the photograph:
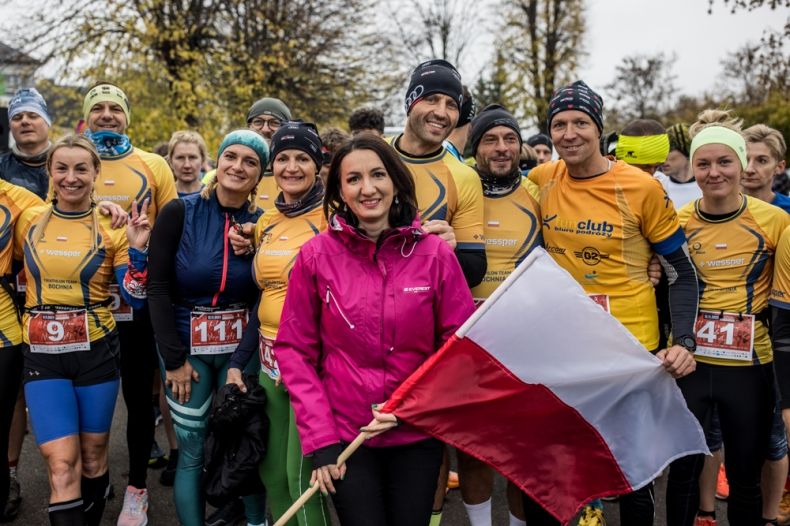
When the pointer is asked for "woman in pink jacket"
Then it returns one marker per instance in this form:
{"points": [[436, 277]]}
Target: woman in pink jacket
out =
{"points": [[368, 301]]}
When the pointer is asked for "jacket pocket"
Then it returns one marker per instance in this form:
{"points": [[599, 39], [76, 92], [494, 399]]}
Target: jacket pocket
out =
{"points": [[330, 299]]}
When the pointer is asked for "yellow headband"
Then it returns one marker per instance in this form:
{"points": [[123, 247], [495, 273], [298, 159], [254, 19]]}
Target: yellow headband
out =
{"points": [[105, 93], [721, 135], [644, 150]]}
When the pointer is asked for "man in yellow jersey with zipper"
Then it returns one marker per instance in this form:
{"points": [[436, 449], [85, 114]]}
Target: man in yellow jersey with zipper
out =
{"points": [[602, 221], [127, 174]]}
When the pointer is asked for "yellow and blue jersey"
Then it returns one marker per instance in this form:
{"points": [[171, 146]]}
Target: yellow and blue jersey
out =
{"points": [[603, 230], [734, 259], [780, 287], [14, 200], [449, 190], [66, 267], [279, 239], [512, 230]]}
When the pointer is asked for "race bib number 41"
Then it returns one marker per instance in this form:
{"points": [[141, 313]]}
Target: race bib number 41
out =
{"points": [[217, 332], [58, 332], [725, 335]]}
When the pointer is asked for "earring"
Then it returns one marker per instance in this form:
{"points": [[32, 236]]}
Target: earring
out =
{"points": [[345, 207], [397, 202]]}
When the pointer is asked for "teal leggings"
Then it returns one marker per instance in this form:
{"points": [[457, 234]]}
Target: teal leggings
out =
{"points": [[190, 424], [285, 471]]}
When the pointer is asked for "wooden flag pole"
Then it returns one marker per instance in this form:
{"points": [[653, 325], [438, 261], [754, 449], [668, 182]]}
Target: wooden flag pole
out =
{"points": [[302, 500]]}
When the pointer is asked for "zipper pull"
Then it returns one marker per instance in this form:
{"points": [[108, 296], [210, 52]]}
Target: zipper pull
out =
{"points": [[327, 294]]}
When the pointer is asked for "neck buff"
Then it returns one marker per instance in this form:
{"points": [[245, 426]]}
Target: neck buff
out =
{"points": [[313, 197], [109, 144], [643, 150], [497, 186], [34, 160]]}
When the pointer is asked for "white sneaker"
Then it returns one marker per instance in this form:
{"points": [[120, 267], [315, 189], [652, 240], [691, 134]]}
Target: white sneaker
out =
{"points": [[135, 507]]}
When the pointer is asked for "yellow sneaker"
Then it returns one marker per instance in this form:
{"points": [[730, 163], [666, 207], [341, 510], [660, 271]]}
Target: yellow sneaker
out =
{"points": [[592, 516]]}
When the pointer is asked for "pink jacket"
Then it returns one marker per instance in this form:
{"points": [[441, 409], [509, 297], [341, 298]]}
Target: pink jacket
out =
{"points": [[358, 320]]}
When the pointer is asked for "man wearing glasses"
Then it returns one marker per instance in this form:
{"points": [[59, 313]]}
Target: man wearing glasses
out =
{"points": [[266, 116]]}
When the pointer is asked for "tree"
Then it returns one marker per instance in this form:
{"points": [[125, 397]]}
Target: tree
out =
{"points": [[200, 64], [542, 40], [493, 85], [643, 87]]}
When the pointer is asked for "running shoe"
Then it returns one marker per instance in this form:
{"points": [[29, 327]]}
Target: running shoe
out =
{"points": [[722, 486], [168, 476], [592, 515], [158, 458], [783, 517], [452, 481], [14, 500], [704, 521], [228, 514], [135, 508]]}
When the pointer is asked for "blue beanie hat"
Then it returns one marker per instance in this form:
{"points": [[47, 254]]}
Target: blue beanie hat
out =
{"points": [[249, 139], [29, 99]]}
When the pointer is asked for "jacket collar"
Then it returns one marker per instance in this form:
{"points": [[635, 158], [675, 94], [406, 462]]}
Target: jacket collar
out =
{"points": [[403, 236]]}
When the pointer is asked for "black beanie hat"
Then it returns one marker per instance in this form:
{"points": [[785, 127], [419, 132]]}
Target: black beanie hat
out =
{"points": [[491, 116], [577, 96], [434, 76], [679, 138], [541, 138], [467, 109], [298, 135]]}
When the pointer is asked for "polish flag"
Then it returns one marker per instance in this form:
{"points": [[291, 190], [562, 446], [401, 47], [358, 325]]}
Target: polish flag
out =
{"points": [[553, 392]]}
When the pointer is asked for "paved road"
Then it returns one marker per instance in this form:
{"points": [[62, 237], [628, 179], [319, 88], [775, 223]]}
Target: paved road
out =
{"points": [[162, 512]]}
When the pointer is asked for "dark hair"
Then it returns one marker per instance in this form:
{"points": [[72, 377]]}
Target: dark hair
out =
{"points": [[643, 128], [366, 119], [333, 138], [402, 213]]}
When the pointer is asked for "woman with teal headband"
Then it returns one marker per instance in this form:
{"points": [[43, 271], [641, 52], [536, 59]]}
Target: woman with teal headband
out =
{"points": [[732, 239], [200, 301]]}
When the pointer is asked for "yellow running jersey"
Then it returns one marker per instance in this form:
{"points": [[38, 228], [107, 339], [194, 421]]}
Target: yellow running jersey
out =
{"points": [[449, 190], [734, 259], [62, 270], [512, 230], [604, 230], [266, 192], [137, 175], [279, 239], [13, 201], [780, 288]]}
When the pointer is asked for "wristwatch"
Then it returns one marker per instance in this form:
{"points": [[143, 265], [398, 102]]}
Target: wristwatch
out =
{"points": [[686, 341]]}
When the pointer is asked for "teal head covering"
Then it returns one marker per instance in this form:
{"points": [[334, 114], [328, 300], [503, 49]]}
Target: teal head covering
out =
{"points": [[249, 139]]}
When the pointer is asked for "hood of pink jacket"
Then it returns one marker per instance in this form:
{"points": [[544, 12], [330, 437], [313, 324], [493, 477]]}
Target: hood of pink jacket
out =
{"points": [[359, 318]]}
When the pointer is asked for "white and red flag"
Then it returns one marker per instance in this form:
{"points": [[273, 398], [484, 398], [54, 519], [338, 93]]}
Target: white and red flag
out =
{"points": [[553, 392]]}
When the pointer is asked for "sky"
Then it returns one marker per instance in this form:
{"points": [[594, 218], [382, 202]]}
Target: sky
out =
{"points": [[618, 28]]}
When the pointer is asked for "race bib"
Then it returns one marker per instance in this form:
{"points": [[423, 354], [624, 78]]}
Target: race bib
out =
{"points": [[725, 335], [601, 299], [121, 310], [21, 282], [58, 332], [268, 361], [217, 332]]}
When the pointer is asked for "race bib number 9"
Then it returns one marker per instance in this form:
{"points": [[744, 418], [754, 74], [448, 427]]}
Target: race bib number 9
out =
{"points": [[725, 335], [121, 310], [217, 332], [601, 299], [268, 361], [58, 332]]}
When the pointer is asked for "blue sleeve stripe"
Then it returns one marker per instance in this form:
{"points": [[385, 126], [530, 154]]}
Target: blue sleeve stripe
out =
{"points": [[670, 244], [779, 304], [471, 246]]}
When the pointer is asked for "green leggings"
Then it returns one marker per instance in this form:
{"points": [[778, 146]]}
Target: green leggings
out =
{"points": [[190, 421], [285, 471]]}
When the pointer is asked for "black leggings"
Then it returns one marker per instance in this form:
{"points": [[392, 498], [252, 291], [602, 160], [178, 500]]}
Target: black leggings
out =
{"points": [[744, 397], [10, 378], [636, 509], [389, 486], [138, 363]]}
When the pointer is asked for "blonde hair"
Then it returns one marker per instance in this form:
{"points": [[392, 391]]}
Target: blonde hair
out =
{"points": [[711, 117], [69, 141], [527, 153], [187, 136], [770, 137]]}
